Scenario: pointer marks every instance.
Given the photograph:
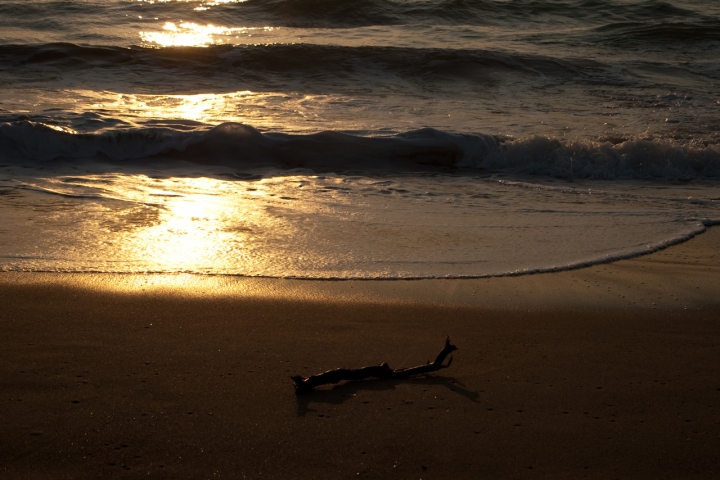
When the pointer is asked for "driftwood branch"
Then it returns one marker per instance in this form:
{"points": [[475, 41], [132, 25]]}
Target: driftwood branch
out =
{"points": [[305, 384]]}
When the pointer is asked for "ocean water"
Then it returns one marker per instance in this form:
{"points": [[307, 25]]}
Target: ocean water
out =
{"points": [[366, 139]]}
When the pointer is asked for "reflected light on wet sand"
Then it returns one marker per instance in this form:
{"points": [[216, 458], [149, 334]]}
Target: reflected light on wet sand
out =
{"points": [[140, 224], [201, 225]]}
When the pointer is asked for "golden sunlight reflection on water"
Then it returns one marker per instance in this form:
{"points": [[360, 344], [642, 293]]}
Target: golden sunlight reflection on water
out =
{"points": [[190, 34], [204, 4], [292, 112], [201, 107]]}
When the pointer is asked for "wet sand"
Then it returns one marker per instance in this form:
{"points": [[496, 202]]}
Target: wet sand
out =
{"points": [[611, 371]]}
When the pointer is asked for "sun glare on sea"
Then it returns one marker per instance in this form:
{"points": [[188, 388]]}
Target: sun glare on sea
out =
{"points": [[204, 4], [213, 3], [202, 107], [190, 34], [262, 110]]}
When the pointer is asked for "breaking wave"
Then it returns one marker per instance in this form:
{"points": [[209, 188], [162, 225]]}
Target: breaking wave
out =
{"points": [[242, 146]]}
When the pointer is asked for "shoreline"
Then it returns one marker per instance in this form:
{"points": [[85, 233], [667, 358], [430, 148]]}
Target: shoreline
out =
{"points": [[557, 375], [689, 270]]}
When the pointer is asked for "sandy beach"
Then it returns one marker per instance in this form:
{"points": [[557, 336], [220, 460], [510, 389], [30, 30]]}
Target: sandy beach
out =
{"points": [[611, 371]]}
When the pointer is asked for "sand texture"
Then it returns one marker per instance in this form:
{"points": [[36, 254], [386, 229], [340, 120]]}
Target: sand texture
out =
{"points": [[607, 372]]}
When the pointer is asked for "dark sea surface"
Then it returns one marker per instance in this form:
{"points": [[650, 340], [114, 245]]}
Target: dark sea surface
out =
{"points": [[354, 139]]}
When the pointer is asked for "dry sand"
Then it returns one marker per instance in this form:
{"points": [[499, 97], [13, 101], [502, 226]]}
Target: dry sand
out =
{"points": [[606, 372]]}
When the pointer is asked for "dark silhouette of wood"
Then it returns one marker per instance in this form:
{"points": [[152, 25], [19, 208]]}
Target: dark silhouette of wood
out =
{"points": [[305, 384]]}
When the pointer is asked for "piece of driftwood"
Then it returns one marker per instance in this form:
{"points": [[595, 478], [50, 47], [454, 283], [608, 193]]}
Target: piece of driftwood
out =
{"points": [[305, 384]]}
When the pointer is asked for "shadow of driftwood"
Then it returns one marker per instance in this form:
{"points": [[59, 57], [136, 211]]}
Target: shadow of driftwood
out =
{"points": [[345, 391]]}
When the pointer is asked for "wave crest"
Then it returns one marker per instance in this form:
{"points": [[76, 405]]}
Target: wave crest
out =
{"points": [[608, 158], [238, 145]]}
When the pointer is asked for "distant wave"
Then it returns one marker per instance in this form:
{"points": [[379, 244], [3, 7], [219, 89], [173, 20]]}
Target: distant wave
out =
{"points": [[303, 66], [343, 13], [250, 61], [652, 33], [317, 67], [242, 146], [314, 66]]}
